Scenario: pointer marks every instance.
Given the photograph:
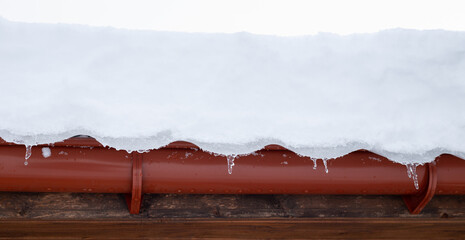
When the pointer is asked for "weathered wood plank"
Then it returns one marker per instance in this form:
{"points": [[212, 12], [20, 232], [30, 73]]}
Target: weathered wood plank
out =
{"points": [[352, 228], [75, 215], [102, 206]]}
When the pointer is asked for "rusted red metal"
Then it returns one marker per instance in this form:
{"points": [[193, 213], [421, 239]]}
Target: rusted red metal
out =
{"points": [[84, 165]]}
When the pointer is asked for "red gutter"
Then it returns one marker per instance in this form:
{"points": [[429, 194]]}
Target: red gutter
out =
{"points": [[84, 165]]}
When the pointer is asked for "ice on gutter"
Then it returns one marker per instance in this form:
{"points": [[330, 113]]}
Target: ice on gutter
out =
{"points": [[399, 93]]}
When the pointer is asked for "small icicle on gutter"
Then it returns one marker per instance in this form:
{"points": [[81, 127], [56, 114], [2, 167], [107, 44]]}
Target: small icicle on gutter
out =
{"points": [[314, 163], [325, 162], [412, 173], [28, 154], [230, 159]]}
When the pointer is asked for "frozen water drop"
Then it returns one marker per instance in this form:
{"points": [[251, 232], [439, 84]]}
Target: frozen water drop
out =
{"points": [[314, 163], [325, 162], [412, 173], [409, 173], [230, 159], [28, 152]]}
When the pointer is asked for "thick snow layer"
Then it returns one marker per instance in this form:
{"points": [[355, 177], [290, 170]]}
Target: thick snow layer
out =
{"points": [[399, 93]]}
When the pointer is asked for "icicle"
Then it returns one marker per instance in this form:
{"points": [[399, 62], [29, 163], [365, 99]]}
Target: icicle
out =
{"points": [[409, 174], [230, 159], [314, 163], [325, 162], [412, 173], [28, 154]]}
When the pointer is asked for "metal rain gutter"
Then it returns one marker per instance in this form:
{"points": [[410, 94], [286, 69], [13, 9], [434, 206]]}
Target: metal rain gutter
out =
{"points": [[81, 164]]}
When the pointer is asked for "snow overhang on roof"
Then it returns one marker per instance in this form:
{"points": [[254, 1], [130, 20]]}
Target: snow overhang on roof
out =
{"points": [[399, 93], [396, 94]]}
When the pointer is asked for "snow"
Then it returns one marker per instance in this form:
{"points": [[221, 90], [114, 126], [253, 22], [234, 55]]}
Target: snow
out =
{"points": [[399, 93], [63, 153], [46, 152]]}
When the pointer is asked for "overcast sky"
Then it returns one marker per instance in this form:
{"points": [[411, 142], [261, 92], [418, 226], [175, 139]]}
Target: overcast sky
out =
{"points": [[278, 17]]}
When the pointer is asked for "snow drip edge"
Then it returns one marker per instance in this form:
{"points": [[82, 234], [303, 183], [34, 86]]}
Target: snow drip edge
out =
{"points": [[163, 139]]}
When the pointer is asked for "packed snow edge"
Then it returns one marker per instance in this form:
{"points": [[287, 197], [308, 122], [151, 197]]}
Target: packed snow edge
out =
{"points": [[227, 149]]}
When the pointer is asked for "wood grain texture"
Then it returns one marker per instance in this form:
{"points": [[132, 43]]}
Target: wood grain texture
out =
{"points": [[103, 206], [96, 216], [240, 228]]}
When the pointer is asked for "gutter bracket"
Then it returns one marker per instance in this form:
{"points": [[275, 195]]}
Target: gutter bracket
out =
{"points": [[416, 202], [134, 198]]}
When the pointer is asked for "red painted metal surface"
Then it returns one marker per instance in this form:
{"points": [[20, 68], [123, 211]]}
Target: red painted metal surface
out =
{"points": [[451, 175], [68, 169], [84, 165], [135, 198], [274, 172], [416, 202]]}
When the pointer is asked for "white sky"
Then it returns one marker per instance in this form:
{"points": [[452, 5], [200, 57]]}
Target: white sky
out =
{"points": [[279, 17]]}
